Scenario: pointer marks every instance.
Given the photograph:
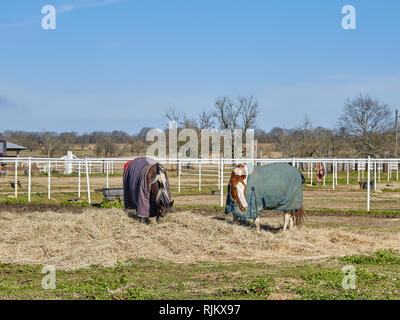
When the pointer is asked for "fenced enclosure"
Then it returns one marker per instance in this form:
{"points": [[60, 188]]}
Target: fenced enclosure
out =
{"points": [[77, 179]]}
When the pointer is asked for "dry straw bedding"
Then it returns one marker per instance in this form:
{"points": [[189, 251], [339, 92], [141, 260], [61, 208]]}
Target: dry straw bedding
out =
{"points": [[70, 240]]}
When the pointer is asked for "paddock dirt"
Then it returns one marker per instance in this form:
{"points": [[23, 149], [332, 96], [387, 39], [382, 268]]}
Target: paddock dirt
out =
{"points": [[71, 238]]}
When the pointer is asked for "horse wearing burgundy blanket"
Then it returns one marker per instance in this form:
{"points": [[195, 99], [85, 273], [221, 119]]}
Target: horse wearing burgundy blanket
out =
{"points": [[146, 188]]}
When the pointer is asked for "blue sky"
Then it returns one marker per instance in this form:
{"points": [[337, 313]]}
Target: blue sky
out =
{"points": [[118, 65]]}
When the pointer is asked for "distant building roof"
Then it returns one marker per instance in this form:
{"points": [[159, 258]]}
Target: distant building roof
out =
{"points": [[14, 147]]}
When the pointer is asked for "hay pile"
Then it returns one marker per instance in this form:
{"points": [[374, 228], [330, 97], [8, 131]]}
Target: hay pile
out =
{"points": [[104, 237]]}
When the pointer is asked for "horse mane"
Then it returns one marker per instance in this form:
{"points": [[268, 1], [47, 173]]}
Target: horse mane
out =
{"points": [[238, 174], [162, 194]]}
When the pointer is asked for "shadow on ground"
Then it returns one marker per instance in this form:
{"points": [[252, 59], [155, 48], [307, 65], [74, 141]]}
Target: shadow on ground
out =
{"points": [[247, 223]]}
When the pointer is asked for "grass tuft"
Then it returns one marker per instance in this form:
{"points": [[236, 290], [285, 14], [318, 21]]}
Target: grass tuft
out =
{"points": [[380, 257]]}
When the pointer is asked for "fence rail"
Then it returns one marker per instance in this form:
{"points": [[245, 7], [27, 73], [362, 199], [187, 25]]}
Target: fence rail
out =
{"points": [[198, 173]]}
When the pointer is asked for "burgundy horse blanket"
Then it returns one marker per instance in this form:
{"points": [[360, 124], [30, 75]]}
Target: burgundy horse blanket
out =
{"points": [[136, 190]]}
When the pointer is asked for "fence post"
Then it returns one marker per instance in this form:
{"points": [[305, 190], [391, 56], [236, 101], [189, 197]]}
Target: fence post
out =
{"points": [[219, 174], [48, 179], [333, 175], [325, 173], [16, 179], [375, 175], [348, 165], [29, 179], [87, 179], [222, 180], [369, 183], [379, 172], [311, 172], [79, 179], [336, 173], [199, 175], [179, 176], [107, 163]]}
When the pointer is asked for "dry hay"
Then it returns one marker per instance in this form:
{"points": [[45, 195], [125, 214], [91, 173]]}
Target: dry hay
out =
{"points": [[70, 240]]}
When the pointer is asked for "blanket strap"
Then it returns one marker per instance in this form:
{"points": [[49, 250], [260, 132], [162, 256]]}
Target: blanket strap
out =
{"points": [[253, 196]]}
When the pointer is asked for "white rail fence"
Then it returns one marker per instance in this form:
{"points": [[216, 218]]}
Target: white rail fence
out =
{"points": [[198, 173]]}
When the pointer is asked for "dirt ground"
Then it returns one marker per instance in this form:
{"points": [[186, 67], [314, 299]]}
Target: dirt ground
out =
{"points": [[70, 237], [344, 197]]}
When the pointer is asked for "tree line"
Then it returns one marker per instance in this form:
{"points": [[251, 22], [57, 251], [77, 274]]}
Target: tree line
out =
{"points": [[366, 126]]}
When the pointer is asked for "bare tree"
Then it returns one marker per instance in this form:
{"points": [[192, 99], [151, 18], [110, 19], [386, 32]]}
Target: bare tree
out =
{"points": [[231, 116], [287, 145], [226, 113], [202, 121], [105, 145], [49, 142], [205, 120], [188, 122], [307, 144], [239, 115], [172, 115], [368, 119], [249, 110]]}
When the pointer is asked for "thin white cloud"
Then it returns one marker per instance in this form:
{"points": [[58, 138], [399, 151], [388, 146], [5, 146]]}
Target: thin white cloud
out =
{"points": [[85, 5], [66, 8]]}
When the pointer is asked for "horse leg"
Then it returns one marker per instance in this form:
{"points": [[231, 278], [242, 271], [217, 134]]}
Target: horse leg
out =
{"points": [[291, 220], [234, 218], [286, 221], [257, 223]]}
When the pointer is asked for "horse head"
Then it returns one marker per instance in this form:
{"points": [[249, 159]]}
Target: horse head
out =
{"points": [[158, 191], [238, 184]]}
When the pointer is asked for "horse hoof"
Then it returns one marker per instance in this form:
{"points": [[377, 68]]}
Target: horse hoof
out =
{"points": [[143, 220]]}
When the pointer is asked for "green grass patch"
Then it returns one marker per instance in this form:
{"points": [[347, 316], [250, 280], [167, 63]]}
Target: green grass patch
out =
{"points": [[328, 285], [195, 191], [205, 207], [111, 204], [380, 257], [390, 190], [74, 174], [19, 201], [360, 212], [260, 287], [149, 279], [76, 203]]}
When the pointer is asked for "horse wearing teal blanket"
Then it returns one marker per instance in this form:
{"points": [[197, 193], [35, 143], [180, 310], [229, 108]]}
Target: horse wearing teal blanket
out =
{"points": [[276, 186]]}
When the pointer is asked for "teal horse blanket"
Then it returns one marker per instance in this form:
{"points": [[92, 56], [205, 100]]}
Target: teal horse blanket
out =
{"points": [[276, 186]]}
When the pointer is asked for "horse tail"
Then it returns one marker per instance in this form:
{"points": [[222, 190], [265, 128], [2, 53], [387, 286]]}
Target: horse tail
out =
{"points": [[299, 216]]}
